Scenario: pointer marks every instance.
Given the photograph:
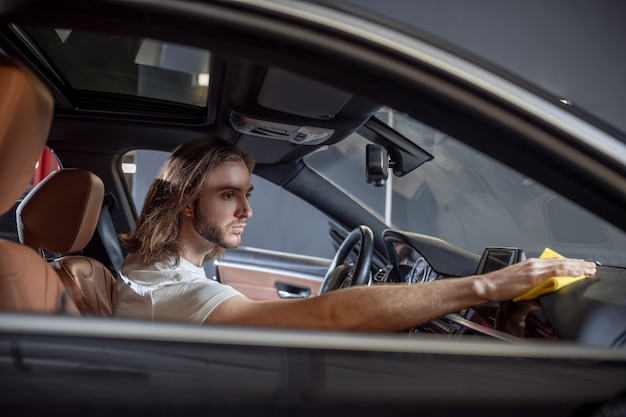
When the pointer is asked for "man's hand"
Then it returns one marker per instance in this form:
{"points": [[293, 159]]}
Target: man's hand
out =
{"points": [[509, 282]]}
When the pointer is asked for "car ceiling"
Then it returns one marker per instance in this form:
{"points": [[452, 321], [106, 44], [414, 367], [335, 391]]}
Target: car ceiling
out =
{"points": [[246, 88]]}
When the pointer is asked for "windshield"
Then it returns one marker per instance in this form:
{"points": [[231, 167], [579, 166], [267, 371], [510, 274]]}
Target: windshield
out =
{"points": [[470, 200]]}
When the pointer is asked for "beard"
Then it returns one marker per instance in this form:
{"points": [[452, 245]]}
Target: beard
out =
{"points": [[211, 231]]}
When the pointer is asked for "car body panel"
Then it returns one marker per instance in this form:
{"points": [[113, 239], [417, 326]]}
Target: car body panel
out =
{"points": [[107, 365]]}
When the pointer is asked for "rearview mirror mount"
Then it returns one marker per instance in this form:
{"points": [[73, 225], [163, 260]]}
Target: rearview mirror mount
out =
{"points": [[376, 165]]}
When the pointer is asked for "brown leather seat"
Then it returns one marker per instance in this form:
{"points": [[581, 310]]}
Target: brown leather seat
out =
{"points": [[60, 215], [27, 282]]}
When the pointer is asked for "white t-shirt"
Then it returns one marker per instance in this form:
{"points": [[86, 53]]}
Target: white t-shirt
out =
{"points": [[166, 292]]}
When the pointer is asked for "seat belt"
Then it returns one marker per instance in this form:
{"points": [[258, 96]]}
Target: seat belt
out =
{"points": [[108, 234]]}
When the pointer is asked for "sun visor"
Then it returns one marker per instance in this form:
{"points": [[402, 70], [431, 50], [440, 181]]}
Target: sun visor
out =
{"points": [[291, 93]]}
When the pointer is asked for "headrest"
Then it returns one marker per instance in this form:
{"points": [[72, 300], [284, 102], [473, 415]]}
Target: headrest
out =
{"points": [[26, 108], [61, 213]]}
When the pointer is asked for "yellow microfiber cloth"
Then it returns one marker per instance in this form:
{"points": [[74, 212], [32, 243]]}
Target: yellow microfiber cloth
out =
{"points": [[551, 285]]}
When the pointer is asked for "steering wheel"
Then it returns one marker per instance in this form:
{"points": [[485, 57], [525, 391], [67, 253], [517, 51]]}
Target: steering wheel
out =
{"points": [[339, 272]]}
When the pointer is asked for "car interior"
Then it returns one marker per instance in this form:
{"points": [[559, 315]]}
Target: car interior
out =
{"points": [[343, 122], [128, 93]]}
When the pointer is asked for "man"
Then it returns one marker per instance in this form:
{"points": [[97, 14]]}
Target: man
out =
{"points": [[197, 207]]}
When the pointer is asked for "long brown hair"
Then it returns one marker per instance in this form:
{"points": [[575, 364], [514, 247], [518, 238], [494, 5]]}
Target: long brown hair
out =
{"points": [[178, 184]]}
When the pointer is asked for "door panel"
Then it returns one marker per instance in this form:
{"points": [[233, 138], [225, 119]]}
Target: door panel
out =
{"points": [[270, 275]]}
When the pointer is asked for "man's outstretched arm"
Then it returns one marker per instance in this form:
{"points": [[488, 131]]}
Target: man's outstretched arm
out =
{"points": [[395, 307]]}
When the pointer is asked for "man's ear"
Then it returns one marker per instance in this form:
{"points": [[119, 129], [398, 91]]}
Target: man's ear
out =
{"points": [[187, 211]]}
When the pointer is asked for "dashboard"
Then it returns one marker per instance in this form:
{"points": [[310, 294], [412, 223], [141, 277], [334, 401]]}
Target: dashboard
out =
{"points": [[412, 267], [589, 311]]}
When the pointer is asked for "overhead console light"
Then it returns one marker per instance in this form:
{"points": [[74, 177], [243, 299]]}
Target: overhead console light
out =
{"points": [[301, 135]]}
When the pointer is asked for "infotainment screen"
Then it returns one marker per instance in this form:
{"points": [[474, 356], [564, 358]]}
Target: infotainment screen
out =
{"points": [[495, 258]]}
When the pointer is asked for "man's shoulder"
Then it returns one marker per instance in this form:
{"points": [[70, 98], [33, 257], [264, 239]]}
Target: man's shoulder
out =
{"points": [[133, 262], [167, 271], [134, 269]]}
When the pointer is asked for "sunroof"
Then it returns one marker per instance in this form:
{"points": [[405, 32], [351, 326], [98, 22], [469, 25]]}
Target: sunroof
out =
{"points": [[119, 64]]}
